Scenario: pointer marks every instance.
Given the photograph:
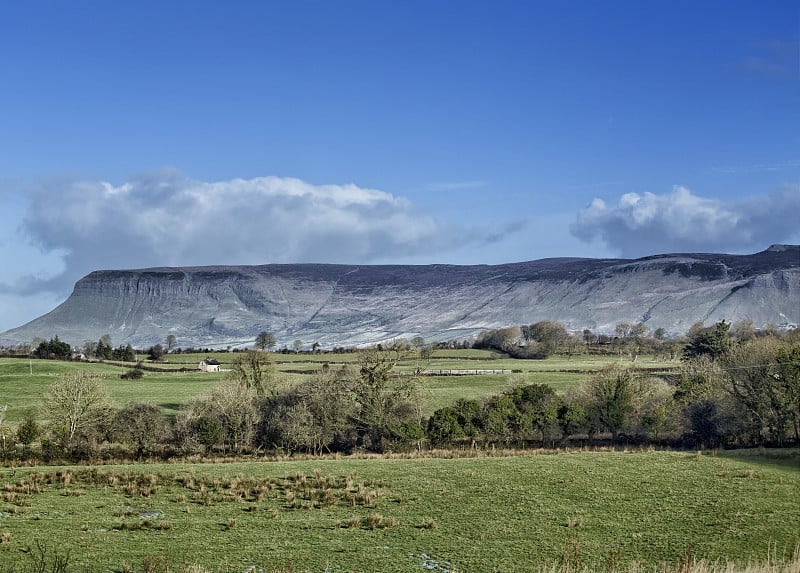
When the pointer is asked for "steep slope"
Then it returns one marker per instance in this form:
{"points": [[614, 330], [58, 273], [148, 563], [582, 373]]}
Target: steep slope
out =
{"points": [[348, 304]]}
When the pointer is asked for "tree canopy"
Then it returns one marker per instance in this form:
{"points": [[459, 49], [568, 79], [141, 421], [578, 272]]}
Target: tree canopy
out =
{"points": [[265, 340]]}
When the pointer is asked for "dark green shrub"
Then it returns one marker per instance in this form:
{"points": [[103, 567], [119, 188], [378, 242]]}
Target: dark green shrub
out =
{"points": [[28, 430], [444, 427], [208, 431], [135, 374]]}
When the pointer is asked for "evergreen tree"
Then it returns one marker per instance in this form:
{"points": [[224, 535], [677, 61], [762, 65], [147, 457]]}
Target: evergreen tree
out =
{"points": [[713, 342]]}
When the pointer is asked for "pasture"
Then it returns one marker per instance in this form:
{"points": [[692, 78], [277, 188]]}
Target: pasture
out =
{"points": [[23, 381], [601, 510]]}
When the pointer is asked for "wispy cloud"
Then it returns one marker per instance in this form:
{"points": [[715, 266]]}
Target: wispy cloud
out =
{"points": [[509, 229], [681, 221]]}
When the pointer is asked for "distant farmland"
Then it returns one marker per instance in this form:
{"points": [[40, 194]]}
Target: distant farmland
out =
{"points": [[24, 381]]}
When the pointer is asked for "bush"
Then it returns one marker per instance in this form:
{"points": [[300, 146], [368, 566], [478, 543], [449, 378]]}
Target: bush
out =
{"points": [[444, 426], [51, 451], [28, 430], [132, 375], [208, 431], [156, 353], [141, 425]]}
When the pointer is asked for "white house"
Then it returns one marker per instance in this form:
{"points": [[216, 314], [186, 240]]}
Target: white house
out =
{"points": [[209, 365]]}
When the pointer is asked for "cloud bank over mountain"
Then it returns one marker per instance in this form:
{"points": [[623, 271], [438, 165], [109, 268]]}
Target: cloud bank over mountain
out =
{"points": [[163, 218], [681, 221]]}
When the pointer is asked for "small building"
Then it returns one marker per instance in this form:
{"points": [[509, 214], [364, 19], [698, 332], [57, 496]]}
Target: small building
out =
{"points": [[209, 365]]}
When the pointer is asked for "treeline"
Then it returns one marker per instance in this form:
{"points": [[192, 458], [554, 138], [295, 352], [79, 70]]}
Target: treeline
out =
{"points": [[58, 350], [546, 338], [728, 393], [740, 391], [746, 397]]}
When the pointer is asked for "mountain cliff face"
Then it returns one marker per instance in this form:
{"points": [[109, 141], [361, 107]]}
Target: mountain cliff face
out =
{"points": [[352, 305]]}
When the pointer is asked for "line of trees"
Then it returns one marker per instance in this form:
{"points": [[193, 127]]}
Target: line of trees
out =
{"points": [[546, 338], [728, 393], [103, 349], [54, 348]]}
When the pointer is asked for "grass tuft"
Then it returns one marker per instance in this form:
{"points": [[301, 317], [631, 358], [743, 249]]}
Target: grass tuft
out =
{"points": [[574, 522], [428, 523]]}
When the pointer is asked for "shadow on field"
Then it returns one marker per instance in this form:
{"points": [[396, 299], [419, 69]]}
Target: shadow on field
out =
{"points": [[788, 458], [170, 405]]}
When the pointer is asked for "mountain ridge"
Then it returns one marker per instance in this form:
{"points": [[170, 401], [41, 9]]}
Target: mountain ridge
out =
{"points": [[340, 304]]}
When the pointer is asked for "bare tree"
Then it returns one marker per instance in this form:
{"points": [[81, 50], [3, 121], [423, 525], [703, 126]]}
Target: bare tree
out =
{"points": [[254, 370], [77, 402], [234, 405], [156, 353], [386, 404], [265, 340]]}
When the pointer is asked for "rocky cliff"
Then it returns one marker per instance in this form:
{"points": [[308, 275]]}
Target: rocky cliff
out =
{"points": [[357, 304]]}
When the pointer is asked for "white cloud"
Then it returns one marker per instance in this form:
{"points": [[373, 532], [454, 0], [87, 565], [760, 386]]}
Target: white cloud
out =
{"points": [[165, 219], [680, 221]]}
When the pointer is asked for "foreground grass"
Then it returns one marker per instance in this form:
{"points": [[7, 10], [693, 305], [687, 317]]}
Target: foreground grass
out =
{"points": [[592, 510]]}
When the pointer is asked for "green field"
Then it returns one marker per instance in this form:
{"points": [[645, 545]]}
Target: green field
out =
{"points": [[456, 511], [465, 514], [23, 381]]}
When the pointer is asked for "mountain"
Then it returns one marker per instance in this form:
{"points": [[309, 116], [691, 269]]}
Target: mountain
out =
{"points": [[360, 304]]}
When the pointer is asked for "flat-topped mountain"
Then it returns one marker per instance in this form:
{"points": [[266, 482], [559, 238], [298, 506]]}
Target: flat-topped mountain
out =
{"points": [[361, 304]]}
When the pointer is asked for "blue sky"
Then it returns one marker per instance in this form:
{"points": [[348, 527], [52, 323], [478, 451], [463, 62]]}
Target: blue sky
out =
{"points": [[138, 134]]}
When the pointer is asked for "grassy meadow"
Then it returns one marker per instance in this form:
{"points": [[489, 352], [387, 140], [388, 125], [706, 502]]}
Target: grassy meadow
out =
{"points": [[506, 513]]}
